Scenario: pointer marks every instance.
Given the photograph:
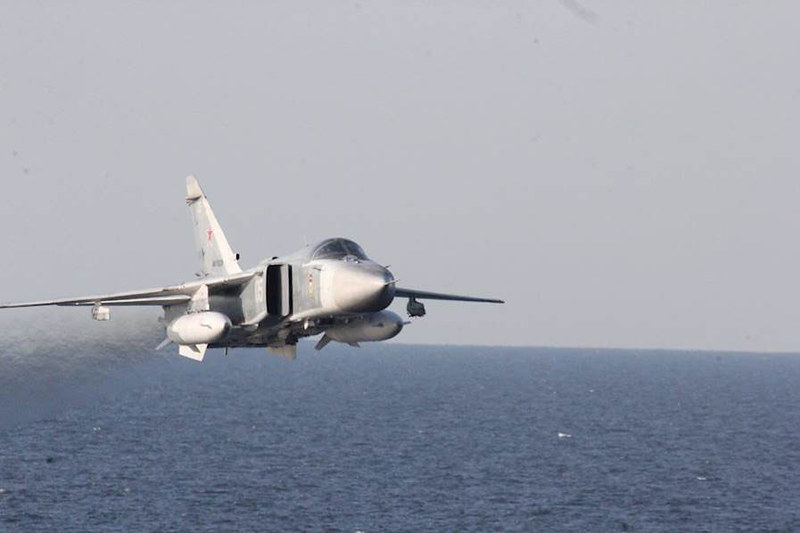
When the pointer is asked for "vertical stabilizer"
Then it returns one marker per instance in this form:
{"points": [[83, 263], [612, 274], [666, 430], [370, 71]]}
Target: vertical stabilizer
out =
{"points": [[216, 256]]}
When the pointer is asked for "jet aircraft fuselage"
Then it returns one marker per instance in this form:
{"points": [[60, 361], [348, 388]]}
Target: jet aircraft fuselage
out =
{"points": [[331, 288]]}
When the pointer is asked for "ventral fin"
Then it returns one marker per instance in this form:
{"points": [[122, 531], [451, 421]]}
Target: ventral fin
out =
{"points": [[193, 351]]}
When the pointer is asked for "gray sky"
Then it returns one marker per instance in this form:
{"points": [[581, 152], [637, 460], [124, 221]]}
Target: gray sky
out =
{"points": [[624, 174]]}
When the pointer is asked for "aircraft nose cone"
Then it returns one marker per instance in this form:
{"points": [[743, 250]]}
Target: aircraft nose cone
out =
{"points": [[363, 288]]}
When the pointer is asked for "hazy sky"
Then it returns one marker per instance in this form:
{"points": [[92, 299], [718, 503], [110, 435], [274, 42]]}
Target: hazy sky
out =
{"points": [[623, 173]]}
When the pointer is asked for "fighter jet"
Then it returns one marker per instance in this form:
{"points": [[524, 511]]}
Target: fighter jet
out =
{"points": [[330, 288]]}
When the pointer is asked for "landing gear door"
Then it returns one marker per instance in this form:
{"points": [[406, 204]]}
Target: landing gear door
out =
{"points": [[279, 290]]}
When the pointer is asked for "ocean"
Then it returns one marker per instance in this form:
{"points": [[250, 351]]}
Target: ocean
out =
{"points": [[107, 436]]}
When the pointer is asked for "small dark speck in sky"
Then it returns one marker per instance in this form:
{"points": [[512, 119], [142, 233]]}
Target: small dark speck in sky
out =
{"points": [[580, 11]]}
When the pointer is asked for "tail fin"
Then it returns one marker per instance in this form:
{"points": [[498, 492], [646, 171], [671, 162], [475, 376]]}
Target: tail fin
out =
{"points": [[216, 255]]}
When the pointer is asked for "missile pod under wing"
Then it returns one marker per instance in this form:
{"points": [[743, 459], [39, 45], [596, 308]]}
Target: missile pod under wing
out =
{"points": [[206, 327]]}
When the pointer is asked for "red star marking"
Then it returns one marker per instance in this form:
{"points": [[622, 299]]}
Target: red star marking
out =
{"points": [[210, 234]]}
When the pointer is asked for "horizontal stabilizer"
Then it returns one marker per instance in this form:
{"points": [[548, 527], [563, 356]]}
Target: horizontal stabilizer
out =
{"points": [[287, 351], [166, 342], [323, 342], [193, 351]]}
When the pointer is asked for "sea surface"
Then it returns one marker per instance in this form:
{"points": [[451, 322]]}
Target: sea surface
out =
{"points": [[98, 435]]}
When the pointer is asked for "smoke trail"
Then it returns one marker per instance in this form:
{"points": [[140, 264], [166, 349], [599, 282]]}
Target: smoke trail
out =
{"points": [[53, 359]]}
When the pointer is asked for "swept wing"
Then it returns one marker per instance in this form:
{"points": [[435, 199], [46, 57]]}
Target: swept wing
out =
{"points": [[425, 295], [164, 296]]}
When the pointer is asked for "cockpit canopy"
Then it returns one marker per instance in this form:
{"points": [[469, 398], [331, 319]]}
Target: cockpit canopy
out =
{"points": [[338, 249]]}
